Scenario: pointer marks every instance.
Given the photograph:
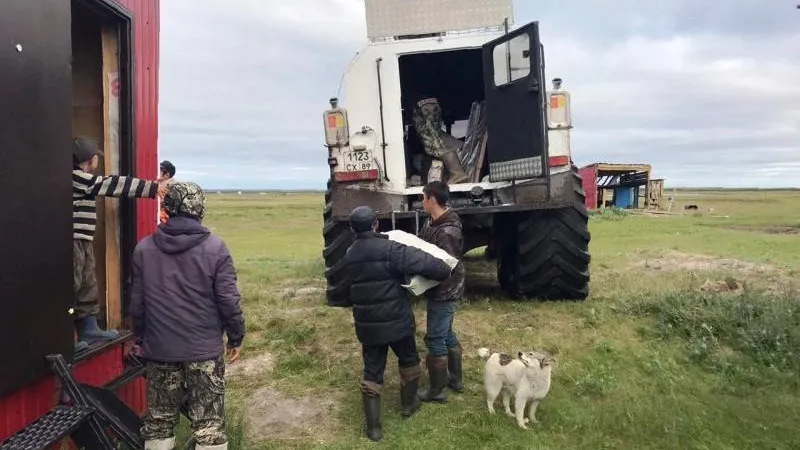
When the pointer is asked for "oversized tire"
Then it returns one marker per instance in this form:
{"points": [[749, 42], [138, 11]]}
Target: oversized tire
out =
{"points": [[338, 237], [546, 252]]}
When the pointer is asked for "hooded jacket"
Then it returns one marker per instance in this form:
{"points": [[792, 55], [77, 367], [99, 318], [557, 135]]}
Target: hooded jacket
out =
{"points": [[446, 233], [377, 268], [184, 294]]}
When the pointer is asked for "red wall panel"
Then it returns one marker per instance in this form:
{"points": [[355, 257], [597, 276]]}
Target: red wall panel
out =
{"points": [[146, 27], [589, 175], [26, 405]]}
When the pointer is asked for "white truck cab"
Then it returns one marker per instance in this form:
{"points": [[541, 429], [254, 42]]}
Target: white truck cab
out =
{"points": [[439, 77], [422, 46]]}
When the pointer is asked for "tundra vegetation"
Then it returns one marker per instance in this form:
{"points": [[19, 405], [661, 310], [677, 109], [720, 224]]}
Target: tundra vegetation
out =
{"points": [[690, 337]]}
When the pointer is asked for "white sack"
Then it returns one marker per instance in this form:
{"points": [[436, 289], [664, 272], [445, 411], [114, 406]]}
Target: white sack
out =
{"points": [[418, 285]]}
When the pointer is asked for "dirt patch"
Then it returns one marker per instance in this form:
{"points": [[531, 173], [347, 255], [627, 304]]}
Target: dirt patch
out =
{"points": [[767, 230], [269, 414], [699, 263], [296, 312], [256, 365], [301, 292], [727, 286]]}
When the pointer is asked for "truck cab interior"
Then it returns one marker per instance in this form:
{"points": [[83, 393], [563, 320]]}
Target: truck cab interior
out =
{"points": [[455, 78]]}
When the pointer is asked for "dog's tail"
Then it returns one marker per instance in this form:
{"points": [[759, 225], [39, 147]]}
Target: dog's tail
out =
{"points": [[484, 352]]}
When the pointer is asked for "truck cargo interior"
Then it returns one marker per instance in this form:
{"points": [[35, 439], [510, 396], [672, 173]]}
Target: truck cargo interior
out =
{"points": [[96, 114], [456, 79]]}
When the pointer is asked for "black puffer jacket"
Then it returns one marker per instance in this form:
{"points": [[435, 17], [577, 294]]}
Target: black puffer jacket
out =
{"points": [[446, 233], [377, 268]]}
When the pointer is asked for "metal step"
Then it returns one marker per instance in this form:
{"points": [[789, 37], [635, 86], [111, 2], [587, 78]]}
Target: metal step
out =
{"points": [[48, 429]]}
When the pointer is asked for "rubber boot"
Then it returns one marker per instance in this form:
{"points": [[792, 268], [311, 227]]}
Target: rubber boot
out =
{"points": [[454, 378], [437, 380], [80, 345], [89, 331], [371, 397], [372, 412], [160, 444], [409, 382], [453, 165]]}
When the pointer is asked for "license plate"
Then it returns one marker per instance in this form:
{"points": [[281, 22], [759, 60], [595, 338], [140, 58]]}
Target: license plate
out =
{"points": [[357, 161]]}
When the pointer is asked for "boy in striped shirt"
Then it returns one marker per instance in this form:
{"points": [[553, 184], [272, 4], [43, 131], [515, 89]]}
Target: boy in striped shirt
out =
{"points": [[86, 187]]}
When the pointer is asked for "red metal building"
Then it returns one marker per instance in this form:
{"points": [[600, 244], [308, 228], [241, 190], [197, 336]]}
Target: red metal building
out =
{"points": [[45, 49]]}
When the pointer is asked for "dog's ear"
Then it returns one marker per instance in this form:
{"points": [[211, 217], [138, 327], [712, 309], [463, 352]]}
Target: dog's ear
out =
{"points": [[546, 361]]}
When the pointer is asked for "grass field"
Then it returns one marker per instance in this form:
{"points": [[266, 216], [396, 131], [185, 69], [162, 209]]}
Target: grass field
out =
{"points": [[690, 338]]}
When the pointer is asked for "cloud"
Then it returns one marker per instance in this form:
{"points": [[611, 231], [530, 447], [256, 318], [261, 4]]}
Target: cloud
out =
{"points": [[708, 96]]}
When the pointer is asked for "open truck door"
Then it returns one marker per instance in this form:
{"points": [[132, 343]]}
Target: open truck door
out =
{"points": [[513, 72], [35, 167]]}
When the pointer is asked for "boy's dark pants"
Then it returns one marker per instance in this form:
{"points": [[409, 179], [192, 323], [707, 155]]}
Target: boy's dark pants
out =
{"points": [[84, 279], [375, 359], [371, 384]]}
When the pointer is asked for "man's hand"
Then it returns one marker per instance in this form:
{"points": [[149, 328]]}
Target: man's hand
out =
{"points": [[233, 354]]}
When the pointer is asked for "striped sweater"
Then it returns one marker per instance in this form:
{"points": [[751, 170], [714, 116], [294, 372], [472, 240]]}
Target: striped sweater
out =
{"points": [[87, 187]]}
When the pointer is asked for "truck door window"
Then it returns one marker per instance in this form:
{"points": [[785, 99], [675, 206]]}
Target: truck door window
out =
{"points": [[512, 60]]}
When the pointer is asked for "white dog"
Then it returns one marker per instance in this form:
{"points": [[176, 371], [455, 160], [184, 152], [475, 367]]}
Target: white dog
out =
{"points": [[526, 377]]}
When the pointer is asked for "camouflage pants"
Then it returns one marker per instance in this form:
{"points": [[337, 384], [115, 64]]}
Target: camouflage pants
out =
{"points": [[201, 385], [84, 279]]}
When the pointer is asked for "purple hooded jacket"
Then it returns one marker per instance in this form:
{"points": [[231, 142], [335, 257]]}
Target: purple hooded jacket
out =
{"points": [[184, 294]]}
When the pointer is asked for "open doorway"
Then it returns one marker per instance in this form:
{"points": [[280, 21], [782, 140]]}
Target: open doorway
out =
{"points": [[455, 78], [97, 104]]}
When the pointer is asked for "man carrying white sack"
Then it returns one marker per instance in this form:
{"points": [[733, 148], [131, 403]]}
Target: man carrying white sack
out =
{"points": [[377, 267], [444, 230]]}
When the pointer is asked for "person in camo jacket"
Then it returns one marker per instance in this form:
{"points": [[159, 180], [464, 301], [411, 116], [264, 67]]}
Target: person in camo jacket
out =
{"points": [[86, 187], [183, 298]]}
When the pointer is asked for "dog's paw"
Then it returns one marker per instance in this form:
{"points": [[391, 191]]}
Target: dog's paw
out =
{"points": [[510, 414], [522, 425], [527, 420]]}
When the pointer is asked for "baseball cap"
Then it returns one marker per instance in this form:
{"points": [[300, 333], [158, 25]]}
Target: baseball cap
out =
{"points": [[83, 149]]}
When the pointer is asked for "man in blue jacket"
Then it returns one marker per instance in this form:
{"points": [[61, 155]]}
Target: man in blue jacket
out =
{"points": [[377, 268], [183, 297]]}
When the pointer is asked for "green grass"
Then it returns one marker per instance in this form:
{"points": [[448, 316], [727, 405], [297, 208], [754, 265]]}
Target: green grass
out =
{"points": [[650, 360]]}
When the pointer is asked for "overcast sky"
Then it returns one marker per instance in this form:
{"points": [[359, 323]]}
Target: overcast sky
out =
{"points": [[710, 96]]}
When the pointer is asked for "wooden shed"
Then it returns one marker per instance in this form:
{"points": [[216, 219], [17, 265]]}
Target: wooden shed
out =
{"points": [[627, 186]]}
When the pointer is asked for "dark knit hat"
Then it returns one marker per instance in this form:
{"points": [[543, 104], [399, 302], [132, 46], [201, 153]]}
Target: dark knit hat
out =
{"points": [[362, 218], [83, 149]]}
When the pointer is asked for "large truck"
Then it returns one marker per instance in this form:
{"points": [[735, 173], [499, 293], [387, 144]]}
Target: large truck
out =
{"points": [[448, 85], [68, 68]]}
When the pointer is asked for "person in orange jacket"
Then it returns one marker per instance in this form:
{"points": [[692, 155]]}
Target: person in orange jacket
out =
{"points": [[167, 170]]}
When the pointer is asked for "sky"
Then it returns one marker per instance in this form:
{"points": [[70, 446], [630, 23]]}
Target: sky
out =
{"points": [[709, 96]]}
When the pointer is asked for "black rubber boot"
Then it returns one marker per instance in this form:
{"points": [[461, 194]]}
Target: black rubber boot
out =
{"points": [[437, 380], [409, 382], [455, 380], [372, 412]]}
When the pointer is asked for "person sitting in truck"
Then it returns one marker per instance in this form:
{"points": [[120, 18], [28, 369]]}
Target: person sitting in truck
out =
{"points": [[86, 188], [427, 116], [183, 299]]}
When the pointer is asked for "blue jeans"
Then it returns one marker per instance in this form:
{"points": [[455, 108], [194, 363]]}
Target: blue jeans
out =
{"points": [[440, 336]]}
